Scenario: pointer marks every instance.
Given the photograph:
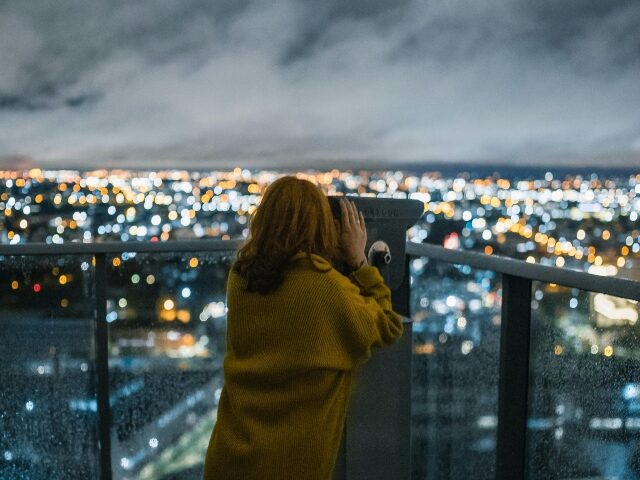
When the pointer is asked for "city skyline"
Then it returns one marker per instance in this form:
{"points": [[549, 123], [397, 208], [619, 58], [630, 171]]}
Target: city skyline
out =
{"points": [[294, 84], [574, 221]]}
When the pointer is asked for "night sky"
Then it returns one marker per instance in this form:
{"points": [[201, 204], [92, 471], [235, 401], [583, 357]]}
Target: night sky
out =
{"points": [[204, 83]]}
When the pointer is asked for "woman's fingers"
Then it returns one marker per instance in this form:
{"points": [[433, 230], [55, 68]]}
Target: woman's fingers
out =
{"points": [[347, 214], [351, 216], [352, 232], [344, 213], [358, 218], [354, 213]]}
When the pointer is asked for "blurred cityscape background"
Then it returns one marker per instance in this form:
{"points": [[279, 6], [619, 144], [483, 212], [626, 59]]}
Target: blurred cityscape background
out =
{"points": [[516, 123]]}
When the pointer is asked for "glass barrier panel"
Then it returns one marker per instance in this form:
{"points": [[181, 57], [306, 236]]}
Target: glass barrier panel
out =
{"points": [[167, 324], [456, 342], [584, 391], [48, 421]]}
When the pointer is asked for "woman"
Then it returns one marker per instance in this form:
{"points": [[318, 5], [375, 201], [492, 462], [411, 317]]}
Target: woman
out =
{"points": [[296, 330]]}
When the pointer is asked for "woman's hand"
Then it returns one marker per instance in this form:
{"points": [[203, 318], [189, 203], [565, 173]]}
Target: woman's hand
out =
{"points": [[352, 234]]}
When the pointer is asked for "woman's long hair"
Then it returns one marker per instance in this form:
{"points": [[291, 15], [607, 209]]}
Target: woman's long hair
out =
{"points": [[293, 215]]}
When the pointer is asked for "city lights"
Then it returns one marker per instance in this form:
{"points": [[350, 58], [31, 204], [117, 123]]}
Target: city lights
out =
{"points": [[168, 304], [541, 219], [169, 310]]}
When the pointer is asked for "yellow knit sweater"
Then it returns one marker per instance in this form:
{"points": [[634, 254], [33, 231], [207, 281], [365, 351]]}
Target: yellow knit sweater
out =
{"points": [[288, 369]]}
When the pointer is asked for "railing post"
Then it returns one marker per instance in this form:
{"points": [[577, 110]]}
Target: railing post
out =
{"points": [[514, 378], [102, 366]]}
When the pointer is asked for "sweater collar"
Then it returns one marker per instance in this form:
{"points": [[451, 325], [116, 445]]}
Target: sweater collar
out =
{"points": [[298, 255], [319, 262]]}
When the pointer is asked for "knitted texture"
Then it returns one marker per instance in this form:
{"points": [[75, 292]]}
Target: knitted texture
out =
{"points": [[288, 369]]}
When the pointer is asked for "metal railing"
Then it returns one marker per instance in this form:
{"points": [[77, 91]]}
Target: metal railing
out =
{"points": [[100, 252], [513, 382], [517, 278]]}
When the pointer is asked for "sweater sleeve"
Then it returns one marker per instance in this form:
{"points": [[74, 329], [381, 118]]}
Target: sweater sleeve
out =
{"points": [[364, 317]]}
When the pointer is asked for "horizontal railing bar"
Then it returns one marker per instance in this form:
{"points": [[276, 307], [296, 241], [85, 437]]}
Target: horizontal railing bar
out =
{"points": [[78, 248], [619, 287], [570, 278]]}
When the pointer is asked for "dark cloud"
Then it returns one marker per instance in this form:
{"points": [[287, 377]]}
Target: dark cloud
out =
{"points": [[592, 34], [51, 45], [314, 31], [286, 81], [16, 102]]}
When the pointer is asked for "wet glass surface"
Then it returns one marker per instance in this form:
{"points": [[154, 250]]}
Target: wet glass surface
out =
{"points": [[456, 338], [48, 423], [166, 318], [167, 324], [584, 392]]}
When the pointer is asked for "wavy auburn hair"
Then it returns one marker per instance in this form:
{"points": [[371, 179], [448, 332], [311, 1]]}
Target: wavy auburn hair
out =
{"points": [[293, 215]]}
